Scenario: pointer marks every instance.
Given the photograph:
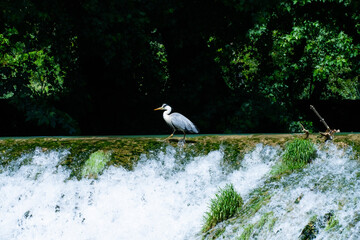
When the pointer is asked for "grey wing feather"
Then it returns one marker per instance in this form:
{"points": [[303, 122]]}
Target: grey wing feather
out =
{"points": [[183, 123]]}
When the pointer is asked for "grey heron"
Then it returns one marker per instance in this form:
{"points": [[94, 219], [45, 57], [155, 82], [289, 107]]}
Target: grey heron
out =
{"points": [[177, 121]]}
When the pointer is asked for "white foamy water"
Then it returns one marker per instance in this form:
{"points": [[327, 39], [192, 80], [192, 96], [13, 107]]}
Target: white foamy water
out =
{"points": [[331, 184], [160, 199]]}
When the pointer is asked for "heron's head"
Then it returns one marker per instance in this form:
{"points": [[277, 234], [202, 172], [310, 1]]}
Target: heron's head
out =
{"points": [[163, 107]]}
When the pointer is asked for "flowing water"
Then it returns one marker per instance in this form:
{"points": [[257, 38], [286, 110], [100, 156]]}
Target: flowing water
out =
{"points": [[328, 187], [165, 197]]}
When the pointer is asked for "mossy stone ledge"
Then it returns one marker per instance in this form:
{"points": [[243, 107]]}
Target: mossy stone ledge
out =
{"points": [[126, 151]]}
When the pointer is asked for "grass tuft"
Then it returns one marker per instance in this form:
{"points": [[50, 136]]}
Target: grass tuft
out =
{"points": [[298, 153], [226, 204]]}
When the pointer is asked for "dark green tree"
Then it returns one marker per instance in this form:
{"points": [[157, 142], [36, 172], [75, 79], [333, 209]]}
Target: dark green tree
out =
{"points": [[33, 69], [234, 66], [301, 50]]}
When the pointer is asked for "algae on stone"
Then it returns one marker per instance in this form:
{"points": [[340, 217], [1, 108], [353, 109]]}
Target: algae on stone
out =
{"points": [[95, 164], [327, 222]]}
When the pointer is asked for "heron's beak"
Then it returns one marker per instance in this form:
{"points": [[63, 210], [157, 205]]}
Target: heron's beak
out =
{"points": [[160, 108]]}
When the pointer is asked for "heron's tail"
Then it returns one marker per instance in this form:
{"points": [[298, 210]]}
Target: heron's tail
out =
{"points": [[194, 129]]}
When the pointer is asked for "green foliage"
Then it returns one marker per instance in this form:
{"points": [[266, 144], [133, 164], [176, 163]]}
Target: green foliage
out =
{"points": [[297, 154], [32, 80], [297, 51], [95, 164], [249, 61], [307, 58], [226, 204], [295, 127], [28, 73]]}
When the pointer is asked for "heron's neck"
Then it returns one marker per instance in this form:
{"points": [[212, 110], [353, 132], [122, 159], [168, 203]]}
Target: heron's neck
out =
{"points": [[167, 112]]}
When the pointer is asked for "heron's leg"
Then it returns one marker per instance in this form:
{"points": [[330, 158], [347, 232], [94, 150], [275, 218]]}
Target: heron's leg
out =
{"points": [[170, 135], [183, 140]]}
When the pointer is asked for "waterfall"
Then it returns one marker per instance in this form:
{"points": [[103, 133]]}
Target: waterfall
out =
{"points": [[166, 195]]}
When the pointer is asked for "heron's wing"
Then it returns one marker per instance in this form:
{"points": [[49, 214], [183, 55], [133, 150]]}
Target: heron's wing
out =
{"points": [[183, 123]]}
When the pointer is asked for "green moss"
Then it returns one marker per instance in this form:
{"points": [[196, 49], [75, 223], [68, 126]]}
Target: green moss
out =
{"points": [[310, 231], [127, 151], [233, 154], [246, 234], [272, 222], [95, 164], [264, 219], [215, 233], [252, 230], [332, 224], [354, 221], [354, 144], [226, 204], [327, 222], [258, 198]]}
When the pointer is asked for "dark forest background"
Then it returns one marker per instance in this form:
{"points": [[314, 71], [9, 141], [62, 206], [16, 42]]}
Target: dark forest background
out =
{"points": [[96, 67]]}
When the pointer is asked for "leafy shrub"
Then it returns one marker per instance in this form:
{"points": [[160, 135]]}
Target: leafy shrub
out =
{"points": [[226, 204]]}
